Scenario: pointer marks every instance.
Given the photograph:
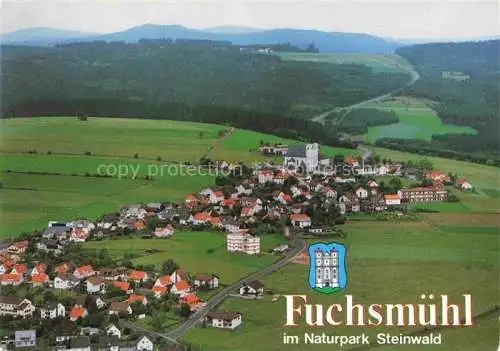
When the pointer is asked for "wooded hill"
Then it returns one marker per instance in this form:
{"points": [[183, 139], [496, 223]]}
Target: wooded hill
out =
{"points": [[463, 79]]}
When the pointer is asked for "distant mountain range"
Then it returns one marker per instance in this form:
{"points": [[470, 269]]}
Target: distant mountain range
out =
{"points": [[324, 41]]}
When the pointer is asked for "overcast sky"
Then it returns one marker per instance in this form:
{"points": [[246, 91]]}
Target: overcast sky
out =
{"points": [[389, 18]]}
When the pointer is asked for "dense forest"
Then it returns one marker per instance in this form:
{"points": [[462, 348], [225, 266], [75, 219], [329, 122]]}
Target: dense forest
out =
{"points": [[156, 72], [463, 80]]}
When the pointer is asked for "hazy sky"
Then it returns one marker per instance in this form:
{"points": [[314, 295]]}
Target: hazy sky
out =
{"points": [[389, 18]]}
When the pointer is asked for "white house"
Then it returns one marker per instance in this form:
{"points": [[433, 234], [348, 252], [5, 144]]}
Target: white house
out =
{"points": [[361, 193], [12, 306], [252, 289], [265, 176], [95, 284], [223, 320], [210, 281], [65, 281], [463, 184], [144, 344], [112, 330], [300, 220], [52, 311]]}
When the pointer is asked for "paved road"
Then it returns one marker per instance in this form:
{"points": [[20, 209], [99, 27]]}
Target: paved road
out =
{"points": [[196, 317], [414, 76], [365, 153]]}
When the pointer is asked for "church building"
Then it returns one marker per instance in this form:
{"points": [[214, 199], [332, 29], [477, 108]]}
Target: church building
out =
{"points": [[304, 156]]}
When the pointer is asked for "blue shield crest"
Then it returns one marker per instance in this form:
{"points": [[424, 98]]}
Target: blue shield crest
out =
{"points": [[327, 268]]}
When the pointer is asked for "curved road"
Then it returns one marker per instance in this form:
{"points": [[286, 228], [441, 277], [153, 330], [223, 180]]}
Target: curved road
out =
{"points": [[218, 298], [414, 76]]}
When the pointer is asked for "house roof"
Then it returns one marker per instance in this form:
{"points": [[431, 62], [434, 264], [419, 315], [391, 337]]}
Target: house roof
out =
{"points": [[182, 285], [227, 316], [190, 299], [77, 312], [137, 275], [124, 286], [10, 300], [392, 197], [300, 217], [164, 280], [10, 277], [296, 151], [202, 216], [96, 280], [119, 306], [39, 278], [255, 284], [136, 298], [84, 269], [461, 181], [20, 268], [204, 277]]}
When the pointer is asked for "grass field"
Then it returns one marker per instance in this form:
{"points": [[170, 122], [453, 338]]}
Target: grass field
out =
{"points": [[378, 62], [110, 136], [416, 121], [387, 263], [191, 251]]}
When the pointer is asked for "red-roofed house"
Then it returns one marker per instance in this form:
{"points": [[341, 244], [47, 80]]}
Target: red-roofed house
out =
{"points": [[20, 269], [137, 298], [139, 276], [215, 221], [191, 299], [163, 281], [392, 199], [178, 275], [283, 198], [437, 176], [84, 271], [78, 235], [300, 220], [62, 268], [181, 288], [229, 203], [77, 313], [11, 279], [38, 269], [123, 286], [159, 291], [463, 184], [39, 279], [200, 218]]}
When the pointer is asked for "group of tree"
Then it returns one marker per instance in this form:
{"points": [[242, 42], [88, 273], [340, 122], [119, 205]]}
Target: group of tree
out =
{"points": [[471, 100]]}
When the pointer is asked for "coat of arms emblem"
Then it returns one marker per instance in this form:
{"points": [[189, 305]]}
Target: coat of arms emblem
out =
{"points": [[327, 268]]}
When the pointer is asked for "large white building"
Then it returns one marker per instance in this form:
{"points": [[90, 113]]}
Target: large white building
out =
{"points": [[304, 156], [327, 269], [243, 242]]}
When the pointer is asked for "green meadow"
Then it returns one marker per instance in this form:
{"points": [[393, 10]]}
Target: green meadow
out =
{"points": [[378, 62], [387, 262], [416, 121], [170, 140], [195, 252]]}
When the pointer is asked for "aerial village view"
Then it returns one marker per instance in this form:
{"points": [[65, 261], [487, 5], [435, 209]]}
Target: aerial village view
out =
{"points": [[166, 188]]}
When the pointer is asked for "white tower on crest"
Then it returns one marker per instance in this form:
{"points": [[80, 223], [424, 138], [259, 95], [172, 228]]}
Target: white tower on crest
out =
{"points": [[327, 269]]}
